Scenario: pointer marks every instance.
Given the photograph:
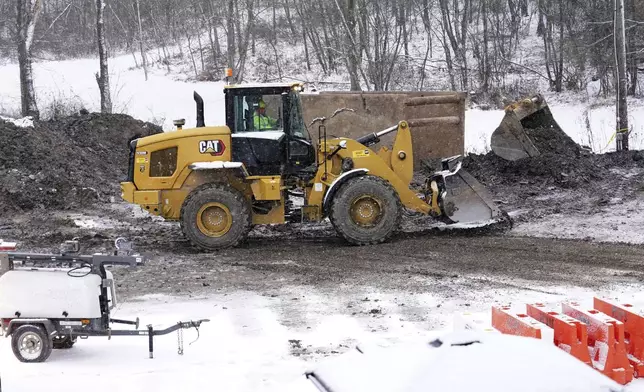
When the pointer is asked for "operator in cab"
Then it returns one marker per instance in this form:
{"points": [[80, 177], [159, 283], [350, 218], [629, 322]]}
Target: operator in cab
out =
{"points": [[262, 121]]}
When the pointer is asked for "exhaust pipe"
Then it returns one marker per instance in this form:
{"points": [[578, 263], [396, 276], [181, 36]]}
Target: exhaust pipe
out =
{"points": [[200, 116]]}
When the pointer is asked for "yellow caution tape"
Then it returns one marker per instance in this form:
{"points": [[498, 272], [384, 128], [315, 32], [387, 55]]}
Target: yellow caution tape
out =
{"points": [[623, 130]]}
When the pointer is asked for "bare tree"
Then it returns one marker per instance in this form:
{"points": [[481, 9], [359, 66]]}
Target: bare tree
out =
{"points": [[378, 44], [143, 59], [634, 42], [348, 16], [27, 15], [552, 13], [622, 81], [455, 25], [230, 35], [102, 79]]}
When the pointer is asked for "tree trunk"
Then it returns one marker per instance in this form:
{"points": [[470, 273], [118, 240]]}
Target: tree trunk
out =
{"points": [[306, 47], [622, 81], [203, 64], [230, 35], [143, 59], [27, 15], [524, 8], [274, 31], [351, 45], [633, 50], [103, 78], [428, 26], [559, 82], [486, 51], [287, 12]]}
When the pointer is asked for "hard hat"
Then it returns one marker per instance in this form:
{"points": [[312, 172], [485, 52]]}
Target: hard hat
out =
{"points": [[262, 104]]}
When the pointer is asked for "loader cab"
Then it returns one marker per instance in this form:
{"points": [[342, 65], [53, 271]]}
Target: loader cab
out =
{"points": [[268, 131]]}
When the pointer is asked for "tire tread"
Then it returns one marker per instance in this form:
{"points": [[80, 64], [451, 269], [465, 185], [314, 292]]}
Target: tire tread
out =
{"points": [[244, 213], [337, 214]]}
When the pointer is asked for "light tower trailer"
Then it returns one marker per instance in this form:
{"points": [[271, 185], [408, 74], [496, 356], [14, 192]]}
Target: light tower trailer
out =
{"points": [[44, 308]]}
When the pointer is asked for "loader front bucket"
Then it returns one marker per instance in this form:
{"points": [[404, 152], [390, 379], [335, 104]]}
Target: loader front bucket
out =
{"points": [[467, 201], [462, 199], [513, 139]]}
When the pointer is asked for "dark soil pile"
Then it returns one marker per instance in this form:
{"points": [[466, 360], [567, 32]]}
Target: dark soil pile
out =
{"points": [[76, 161], [552, 140], [562, 163], [550, 169]]}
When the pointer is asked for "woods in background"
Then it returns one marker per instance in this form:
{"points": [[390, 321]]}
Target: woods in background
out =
{"points": [[380, 44]]}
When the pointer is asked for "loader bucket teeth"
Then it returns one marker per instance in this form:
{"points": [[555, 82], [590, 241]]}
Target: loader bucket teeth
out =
{"points": [[510, 140], [467, 201]]}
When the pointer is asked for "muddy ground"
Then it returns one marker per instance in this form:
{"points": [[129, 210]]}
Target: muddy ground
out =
{"points": [[450, 263], [424, 257]]}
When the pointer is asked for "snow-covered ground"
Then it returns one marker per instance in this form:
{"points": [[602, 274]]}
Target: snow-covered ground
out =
{"points": [[257, 343], [621, 222], [72, 84]]}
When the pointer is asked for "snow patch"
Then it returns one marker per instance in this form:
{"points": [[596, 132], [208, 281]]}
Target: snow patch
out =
{"points": [[24, 122], [261, 343], [267, 135], [624, 223], [215, 165]]}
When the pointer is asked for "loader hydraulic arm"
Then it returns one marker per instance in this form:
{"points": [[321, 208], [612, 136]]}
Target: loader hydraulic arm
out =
{"points": [[374, 137]]}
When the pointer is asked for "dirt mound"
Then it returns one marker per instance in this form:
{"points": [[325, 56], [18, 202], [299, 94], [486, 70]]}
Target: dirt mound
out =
{"points": [[562, 161], [552, 140], [75, 161], [551, 168]]}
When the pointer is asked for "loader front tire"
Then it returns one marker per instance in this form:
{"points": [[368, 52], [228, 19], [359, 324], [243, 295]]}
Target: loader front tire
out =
{"points": [[366, 210], [215, 216]]}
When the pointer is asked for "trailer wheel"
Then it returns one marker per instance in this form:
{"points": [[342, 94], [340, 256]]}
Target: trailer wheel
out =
{"points": [[215, 216], [366, 210], [30, 343], [63, 342]]}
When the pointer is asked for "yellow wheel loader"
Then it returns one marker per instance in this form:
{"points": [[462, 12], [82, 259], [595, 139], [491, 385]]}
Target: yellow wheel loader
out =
{"points": [[220, 181]]}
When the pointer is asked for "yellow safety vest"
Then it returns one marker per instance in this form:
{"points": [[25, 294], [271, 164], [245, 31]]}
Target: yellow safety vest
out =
{"points": [[262, 122]]}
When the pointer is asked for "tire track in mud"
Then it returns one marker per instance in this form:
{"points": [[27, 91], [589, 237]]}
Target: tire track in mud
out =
{"points": [[446, 261]]}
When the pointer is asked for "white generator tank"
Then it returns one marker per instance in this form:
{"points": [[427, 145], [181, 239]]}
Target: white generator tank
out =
{"points": [[48, 294]]}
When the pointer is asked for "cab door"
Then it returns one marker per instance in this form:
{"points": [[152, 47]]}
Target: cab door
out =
{"points": [[300, 149]]}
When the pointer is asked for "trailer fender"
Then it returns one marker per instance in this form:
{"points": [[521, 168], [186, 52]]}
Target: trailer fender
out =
{"points": [[344, 177], [46, 323]]}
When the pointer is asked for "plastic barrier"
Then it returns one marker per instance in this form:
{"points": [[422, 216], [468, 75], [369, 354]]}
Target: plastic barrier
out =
{"points": [[633, 320], [606, 342], [570, 335], [507, 322]]}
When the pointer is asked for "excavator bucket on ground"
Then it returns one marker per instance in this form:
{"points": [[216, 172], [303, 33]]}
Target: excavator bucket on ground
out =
{"points": [[512, 140]]}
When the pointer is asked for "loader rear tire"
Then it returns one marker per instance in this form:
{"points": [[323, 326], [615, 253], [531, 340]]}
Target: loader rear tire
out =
{"points": [[366, 210], [215, 216]]}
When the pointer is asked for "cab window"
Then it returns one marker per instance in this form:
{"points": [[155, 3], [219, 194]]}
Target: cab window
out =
{"points": [[163, 163], [254, 113], [296, 121]]}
